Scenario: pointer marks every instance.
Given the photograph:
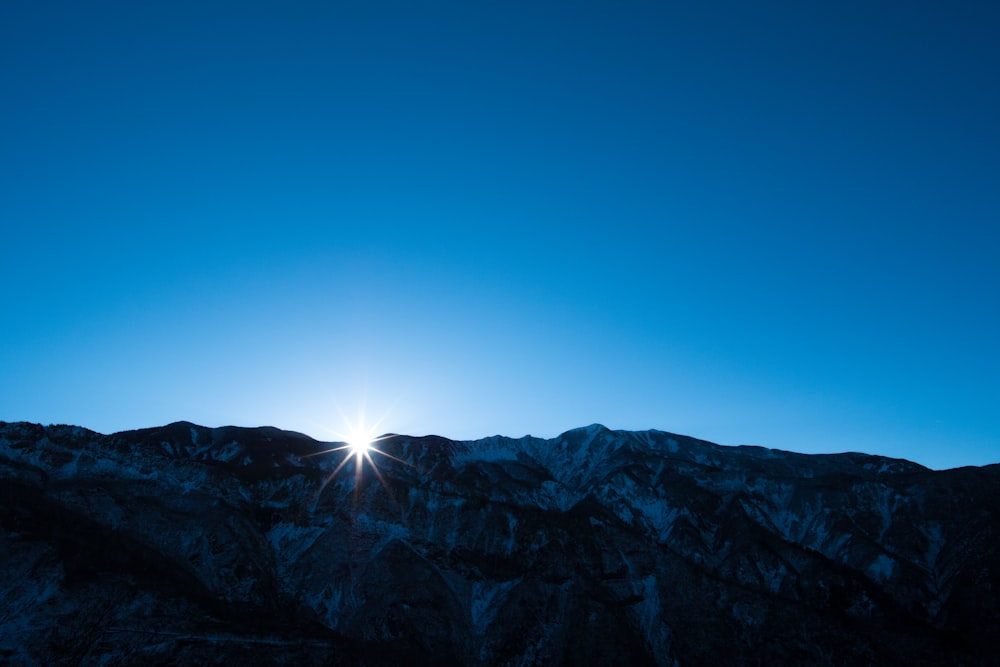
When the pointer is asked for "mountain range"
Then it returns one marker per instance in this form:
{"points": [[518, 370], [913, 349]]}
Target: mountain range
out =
{"points": [[184, 544]]}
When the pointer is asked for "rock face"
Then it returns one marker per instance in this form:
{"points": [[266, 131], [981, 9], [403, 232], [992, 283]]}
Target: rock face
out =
{"points": [[190, 545]]}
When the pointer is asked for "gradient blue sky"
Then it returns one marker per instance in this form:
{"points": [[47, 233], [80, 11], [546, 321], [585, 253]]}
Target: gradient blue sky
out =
{"points": [[771, 223]]}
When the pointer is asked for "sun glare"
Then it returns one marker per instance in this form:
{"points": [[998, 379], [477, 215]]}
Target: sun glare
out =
{"points": [[359, 437], [358, 444]]}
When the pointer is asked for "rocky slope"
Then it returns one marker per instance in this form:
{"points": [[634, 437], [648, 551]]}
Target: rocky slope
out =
{"points": [[190, 545]]}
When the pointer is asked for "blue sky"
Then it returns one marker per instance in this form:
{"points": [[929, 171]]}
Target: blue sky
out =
{"points": [[774, 225]]}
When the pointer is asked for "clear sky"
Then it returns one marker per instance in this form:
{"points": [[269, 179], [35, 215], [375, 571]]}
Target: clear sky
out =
{"points": [[772, 223]]}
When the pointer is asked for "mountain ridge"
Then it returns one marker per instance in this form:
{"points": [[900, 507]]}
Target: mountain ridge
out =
{"points": [[629, 546]]}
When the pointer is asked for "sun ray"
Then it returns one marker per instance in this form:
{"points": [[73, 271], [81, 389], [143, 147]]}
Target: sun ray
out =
{"points": [[328, 479], [390, 456], [325, 451], [378, 473]]}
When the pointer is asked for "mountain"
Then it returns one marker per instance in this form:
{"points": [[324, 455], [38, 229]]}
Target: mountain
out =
{"points": [[192, 545]]}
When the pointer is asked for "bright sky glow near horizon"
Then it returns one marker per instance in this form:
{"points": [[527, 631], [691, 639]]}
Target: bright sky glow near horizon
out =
{"points": [[770, 223]]}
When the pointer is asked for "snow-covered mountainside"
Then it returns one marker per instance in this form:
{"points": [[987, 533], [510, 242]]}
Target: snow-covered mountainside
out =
{"points": [[190, 545]]}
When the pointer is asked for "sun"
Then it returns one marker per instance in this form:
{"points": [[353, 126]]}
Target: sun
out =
{"points": [[359, 439], [358, 443]]}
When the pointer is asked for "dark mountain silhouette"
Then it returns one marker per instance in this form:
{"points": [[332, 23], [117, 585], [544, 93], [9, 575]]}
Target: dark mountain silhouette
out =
{"points": [[191, 545]]}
